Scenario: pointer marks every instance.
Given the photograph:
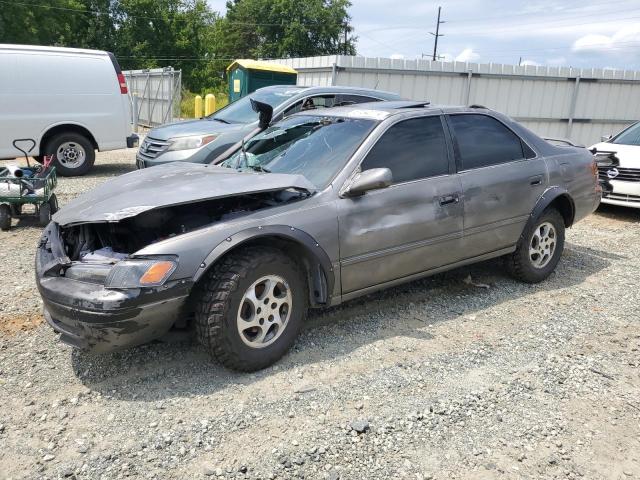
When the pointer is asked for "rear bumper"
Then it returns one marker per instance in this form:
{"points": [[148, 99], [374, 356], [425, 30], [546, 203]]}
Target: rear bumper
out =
{"points": [[133, 141]]}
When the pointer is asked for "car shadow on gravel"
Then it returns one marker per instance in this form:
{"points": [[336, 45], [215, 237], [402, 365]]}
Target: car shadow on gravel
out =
{"points": [[101, 170], [615, 212], [161, 371]]}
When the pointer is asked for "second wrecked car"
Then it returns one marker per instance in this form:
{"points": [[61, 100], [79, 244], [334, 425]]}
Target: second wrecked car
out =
{"points": [[315, 210]]}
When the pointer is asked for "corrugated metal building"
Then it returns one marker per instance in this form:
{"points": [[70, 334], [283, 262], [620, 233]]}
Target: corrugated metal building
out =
{"points": [[578, 104]]}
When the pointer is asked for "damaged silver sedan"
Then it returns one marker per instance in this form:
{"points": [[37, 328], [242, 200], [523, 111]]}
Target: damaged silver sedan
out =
{"points": [[315, 210]]}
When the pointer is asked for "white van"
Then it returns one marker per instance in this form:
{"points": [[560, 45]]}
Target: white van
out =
{"points": [[71, 102]]}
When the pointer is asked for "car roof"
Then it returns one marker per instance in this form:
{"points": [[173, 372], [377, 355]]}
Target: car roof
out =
{"points": [[310, 90]]}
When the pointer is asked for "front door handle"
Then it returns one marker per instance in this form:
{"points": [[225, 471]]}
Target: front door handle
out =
{"points": [[449, 199], [535, 180]]}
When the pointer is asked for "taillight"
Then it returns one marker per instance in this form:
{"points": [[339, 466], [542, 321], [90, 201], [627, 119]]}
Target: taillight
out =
{"points": [[594, 168], [123, 84]]}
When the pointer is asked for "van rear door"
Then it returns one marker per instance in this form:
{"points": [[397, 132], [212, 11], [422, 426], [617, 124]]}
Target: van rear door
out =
{"points": [[125, 98]]}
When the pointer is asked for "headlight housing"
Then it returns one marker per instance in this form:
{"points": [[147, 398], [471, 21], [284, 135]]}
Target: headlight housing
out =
{"points": [[190, 143], [137, 273]]}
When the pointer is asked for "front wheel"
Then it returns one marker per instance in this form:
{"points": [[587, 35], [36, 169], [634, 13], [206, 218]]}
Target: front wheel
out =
{"points": [[251, 308], [539, 249]]}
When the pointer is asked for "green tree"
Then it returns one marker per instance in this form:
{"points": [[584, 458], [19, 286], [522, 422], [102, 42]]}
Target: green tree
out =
{"points": [[155, 33], [69, 23], [284, 28]]}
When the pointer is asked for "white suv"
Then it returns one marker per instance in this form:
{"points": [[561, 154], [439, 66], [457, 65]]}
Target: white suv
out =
{"points": [[70, 102], [624, 179]]}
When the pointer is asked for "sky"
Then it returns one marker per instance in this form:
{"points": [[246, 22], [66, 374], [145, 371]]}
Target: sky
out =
{"points": [[585, 33]]}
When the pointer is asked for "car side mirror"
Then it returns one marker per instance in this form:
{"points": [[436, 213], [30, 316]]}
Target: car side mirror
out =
{"points": [[373, 179], [606, 138], [264, 111]]}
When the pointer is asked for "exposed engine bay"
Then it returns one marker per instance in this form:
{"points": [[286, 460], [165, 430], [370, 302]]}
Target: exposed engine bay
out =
{"points": [[112, 241]]}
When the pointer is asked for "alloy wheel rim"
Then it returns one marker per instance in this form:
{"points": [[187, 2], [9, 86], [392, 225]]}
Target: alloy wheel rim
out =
{"points": [[542, 245], [71, 154], [264, 311]]}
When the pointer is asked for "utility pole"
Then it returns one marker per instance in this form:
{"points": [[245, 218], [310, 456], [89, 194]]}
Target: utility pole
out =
{"points": [[346, 40], [436, 35]]}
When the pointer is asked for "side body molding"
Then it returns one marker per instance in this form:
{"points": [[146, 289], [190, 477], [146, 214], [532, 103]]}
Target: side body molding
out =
{"points": [[321, 275]]}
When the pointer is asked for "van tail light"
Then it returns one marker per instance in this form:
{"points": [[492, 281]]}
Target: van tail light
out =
{"points": [[123, 84]]}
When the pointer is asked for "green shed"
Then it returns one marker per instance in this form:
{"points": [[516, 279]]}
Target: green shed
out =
{"points": [[246, 76]]}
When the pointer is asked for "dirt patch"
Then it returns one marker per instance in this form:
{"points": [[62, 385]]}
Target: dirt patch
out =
{"points": [[12, 324]]}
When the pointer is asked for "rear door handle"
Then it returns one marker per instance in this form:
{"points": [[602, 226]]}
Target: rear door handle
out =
{"points": [[449, 199], [536, 180]]}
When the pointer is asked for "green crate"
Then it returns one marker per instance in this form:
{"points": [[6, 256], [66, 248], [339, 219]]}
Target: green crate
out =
{"points": [[47, 184]]}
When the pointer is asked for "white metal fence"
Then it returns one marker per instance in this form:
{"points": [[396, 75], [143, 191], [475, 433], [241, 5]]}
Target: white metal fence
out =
{"points": [[155, 95], [579, 104]]}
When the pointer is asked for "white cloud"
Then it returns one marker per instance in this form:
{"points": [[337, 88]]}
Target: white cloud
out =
{"points": [[467, 55], [529, 63], [627, 38], [556, 61], [397, 56]]}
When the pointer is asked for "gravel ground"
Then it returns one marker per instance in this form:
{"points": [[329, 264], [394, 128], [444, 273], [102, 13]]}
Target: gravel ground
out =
{"points": [[436, 379]]}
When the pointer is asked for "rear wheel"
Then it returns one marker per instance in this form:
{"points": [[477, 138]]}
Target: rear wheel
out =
{"points": [[251, 308], [73, 154], [539, 249], [5, 217]]}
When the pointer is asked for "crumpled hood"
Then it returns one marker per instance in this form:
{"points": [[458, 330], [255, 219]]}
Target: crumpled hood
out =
{"points": [[166, 185], [193, 127], [629, 155]]}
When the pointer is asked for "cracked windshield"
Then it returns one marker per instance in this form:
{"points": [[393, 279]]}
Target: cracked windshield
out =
{"points": [[315, 147]]}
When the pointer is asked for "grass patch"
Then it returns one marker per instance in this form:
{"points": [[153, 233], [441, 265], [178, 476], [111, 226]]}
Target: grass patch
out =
{"points": [[187, 105]]}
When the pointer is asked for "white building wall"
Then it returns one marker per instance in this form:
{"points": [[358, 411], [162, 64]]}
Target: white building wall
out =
{"points": [[578, 104]]}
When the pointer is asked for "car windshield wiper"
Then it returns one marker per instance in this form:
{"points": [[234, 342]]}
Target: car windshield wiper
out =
{"points": [[221, 120], [259, 168]]}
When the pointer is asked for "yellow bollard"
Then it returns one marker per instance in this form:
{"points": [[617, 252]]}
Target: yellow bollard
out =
{"points": [[197, 113], [209, 104]]}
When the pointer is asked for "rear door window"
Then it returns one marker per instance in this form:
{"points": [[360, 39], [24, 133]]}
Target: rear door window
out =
{"points": [[412, 149], [483, 141]]}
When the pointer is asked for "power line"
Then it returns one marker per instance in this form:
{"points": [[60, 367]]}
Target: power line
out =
{"points": [[597, 16]]}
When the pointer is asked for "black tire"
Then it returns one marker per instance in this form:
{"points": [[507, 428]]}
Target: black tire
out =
{"points": [[219, 302], [44, 214], [5, 217], [16, 209], [521, 264], [79, 143], [39, 159], [53, 203]]}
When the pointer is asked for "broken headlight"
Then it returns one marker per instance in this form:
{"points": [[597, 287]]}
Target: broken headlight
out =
{"points": [[189, 143], [138, 273]]}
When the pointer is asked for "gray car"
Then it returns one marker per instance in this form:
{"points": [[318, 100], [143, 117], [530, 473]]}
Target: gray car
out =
{"points": [[318, 209], [206, 139]]}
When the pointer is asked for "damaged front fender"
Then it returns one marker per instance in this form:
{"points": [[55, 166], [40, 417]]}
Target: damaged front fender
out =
{"points": [[320, 271]]}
